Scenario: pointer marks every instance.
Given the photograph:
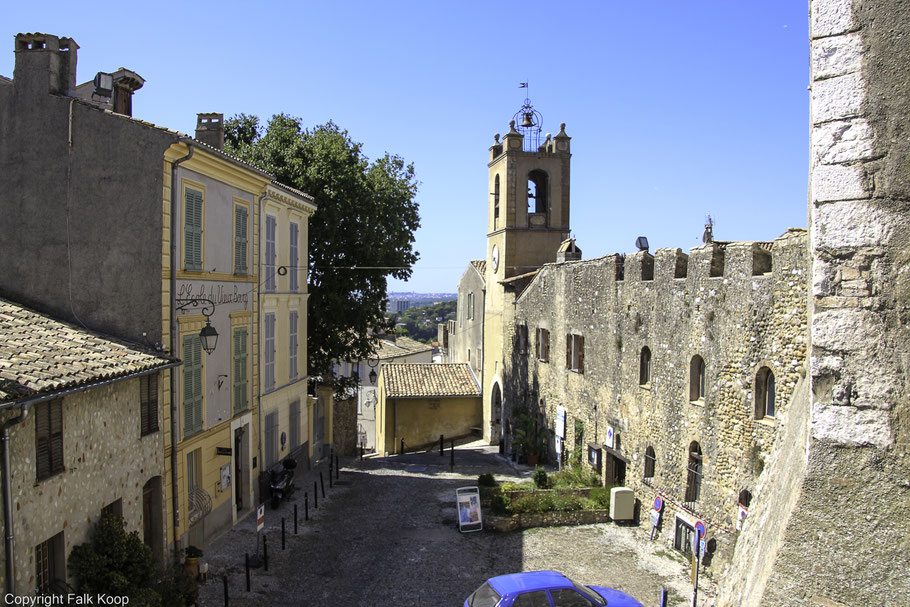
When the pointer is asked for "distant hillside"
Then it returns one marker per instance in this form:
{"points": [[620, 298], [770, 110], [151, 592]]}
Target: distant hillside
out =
{"points": [[417, 299], [420, 322]]}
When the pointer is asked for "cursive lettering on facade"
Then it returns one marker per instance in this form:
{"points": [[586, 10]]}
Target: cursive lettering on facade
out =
{"points": [[219, 293]]}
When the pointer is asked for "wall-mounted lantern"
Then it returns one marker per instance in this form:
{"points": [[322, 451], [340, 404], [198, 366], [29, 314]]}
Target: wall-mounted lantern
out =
{"points": [[208, 335]]}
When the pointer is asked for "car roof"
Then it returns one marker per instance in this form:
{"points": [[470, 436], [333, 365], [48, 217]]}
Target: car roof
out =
{"points": [[529, 580]]}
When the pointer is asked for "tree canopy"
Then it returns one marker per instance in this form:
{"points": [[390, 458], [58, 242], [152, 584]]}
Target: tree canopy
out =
{"points": [[361, 233]]}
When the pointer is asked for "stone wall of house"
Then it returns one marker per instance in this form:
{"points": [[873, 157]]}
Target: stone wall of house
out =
{"points": [[846, 529], [104, 460], [740, 306]]}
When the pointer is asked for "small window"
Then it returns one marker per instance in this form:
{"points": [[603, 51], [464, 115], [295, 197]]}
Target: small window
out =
{"points": [[293, 346], [294, 258], [764, 393], [650, 462], [542, 345], [682, 540], [271, 439], [192, 229], [496, 198], [271, 229], [241, 239], [522, 339], [49, 439], [50, 569], [294, 425], [697, 378], [575, 352], [694, 473], [192, 385], [148, 404], [240, 369], [538, 191], [644, 367], [471, 305], [115, 508], [269, 351]]}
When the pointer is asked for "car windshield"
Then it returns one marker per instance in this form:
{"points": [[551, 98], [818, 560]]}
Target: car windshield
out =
{"points": [[589, 593], [484, 596]]}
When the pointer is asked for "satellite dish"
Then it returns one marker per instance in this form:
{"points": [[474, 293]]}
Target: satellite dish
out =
{"points": [[642, 243]]}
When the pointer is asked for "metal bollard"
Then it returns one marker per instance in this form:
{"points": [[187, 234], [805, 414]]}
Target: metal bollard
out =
{"points": [[295, 518], [282, 534], [322, 484], [315, 495], [441, 445], [247, 564], [337, 468], [224, 577], [452, 462], [306, 506], [330, 474], [265, 552], [402, 447], [361, 451]]}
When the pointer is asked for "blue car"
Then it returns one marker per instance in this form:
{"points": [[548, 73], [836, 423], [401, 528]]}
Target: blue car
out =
{"points": [[544, 589]]}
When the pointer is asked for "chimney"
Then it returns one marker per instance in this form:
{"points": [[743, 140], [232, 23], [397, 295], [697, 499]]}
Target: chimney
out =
{"points": [[45, 64], [126, 82], [568, 251], [210, 129]]}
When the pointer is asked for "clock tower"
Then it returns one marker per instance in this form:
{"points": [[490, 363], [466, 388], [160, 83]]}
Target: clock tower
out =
{"points": [[528, 219]]}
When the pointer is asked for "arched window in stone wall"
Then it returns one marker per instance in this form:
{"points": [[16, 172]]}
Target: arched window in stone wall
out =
{"points": [[694, 472], [538, 190], [644, 367], [764, 393], [650, 463], [697, 378]]}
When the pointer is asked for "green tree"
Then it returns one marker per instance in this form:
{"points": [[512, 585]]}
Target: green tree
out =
{"points": [[119, 564], [362, 232]]}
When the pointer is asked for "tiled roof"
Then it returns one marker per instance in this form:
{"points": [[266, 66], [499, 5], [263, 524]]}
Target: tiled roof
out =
{"points": [[429, 380], [480, 265], [402, 346], [39, 355]]}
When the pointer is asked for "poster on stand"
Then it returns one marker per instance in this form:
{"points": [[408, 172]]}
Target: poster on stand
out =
{"points": [[467, 502]]}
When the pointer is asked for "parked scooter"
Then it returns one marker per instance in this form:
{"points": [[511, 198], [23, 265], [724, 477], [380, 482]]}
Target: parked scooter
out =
{"points": [[281, 481]]}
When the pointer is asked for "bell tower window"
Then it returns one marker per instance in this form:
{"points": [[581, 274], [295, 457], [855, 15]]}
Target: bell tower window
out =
{"points": [[496, 199], [538, 188]]}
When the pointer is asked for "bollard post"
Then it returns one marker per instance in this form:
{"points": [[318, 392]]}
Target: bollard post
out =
{"points": [[224, 577], [441, 445], [295, 518], [247, 564], [402, 446], [361, 451], [322, 484], [337, 468], [306, 506], [452, 462], [330, 473], [265, 552], [282, 534]]}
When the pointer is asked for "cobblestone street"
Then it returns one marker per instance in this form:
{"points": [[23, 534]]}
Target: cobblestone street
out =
{"points": [[385, 535]]}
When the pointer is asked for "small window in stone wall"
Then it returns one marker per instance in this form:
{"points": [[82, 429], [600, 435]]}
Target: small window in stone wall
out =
{"points": [[650, 462], [542, 345], [522, 339], [694, 472], [575, 352], [697, 378], [50, 568], [765, 405], [644, 367]]}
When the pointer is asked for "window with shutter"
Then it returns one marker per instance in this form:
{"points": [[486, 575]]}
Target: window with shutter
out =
{"points": [[48, 439], [271, 439], [292, 340], [575, 352], [269, 351], [293, 271], [294, 425], [270, 252], [240, 366], [148, 404], [241, 239], [192, 385], [192, 229]]}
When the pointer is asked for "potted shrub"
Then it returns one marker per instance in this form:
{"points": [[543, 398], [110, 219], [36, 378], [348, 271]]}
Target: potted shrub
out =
{"points": [[191, 564]]}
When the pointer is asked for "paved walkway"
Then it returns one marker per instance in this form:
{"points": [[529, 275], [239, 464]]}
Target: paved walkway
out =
{"points": [[385, 535]]}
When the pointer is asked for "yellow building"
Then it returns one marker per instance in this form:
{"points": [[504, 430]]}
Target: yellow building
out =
{"points": [[284, 408], [419, 402], [226, 214]]}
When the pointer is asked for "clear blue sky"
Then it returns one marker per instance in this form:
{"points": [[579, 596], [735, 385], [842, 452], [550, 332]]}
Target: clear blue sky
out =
{"points": [[675, 109]]}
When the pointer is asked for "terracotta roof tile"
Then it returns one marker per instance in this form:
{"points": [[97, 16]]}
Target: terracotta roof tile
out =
{"points": [[402, 346], [39, 354], [480, 265], [429, 380]]}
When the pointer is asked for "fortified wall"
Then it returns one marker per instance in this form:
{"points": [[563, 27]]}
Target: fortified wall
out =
{"points": [[676, 350]]}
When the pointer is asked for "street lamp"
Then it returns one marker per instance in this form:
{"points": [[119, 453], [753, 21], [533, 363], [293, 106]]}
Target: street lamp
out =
{"points": [[208, 335]]}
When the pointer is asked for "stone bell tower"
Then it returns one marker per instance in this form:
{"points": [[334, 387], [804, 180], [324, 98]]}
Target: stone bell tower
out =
{"points": [[528, 219]]}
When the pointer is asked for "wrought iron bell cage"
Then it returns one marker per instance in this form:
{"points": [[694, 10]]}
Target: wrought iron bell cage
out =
{"points": [[528, 122]]}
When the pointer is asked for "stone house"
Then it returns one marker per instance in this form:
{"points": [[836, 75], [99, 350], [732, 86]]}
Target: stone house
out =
{"points": [[153, 236], [420, 402], [462, 337], [82, 423]]}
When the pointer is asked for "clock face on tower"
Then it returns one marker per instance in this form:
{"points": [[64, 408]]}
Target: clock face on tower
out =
{"points": [[495, 258]]}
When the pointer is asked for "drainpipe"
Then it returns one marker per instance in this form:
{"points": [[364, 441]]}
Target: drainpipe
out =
{"points": [[8, 500], [175, 425], [261, 343]]}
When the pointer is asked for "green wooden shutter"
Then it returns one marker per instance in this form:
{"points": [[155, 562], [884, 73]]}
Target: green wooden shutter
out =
{"points": [[192, 248], [56, 410], [240, 239], [42, 441], [240, 358], [192, 385]]}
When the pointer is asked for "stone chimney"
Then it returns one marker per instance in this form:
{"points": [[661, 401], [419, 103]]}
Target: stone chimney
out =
{"points": [[568, 251], [45, 64], [210, 129]]}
